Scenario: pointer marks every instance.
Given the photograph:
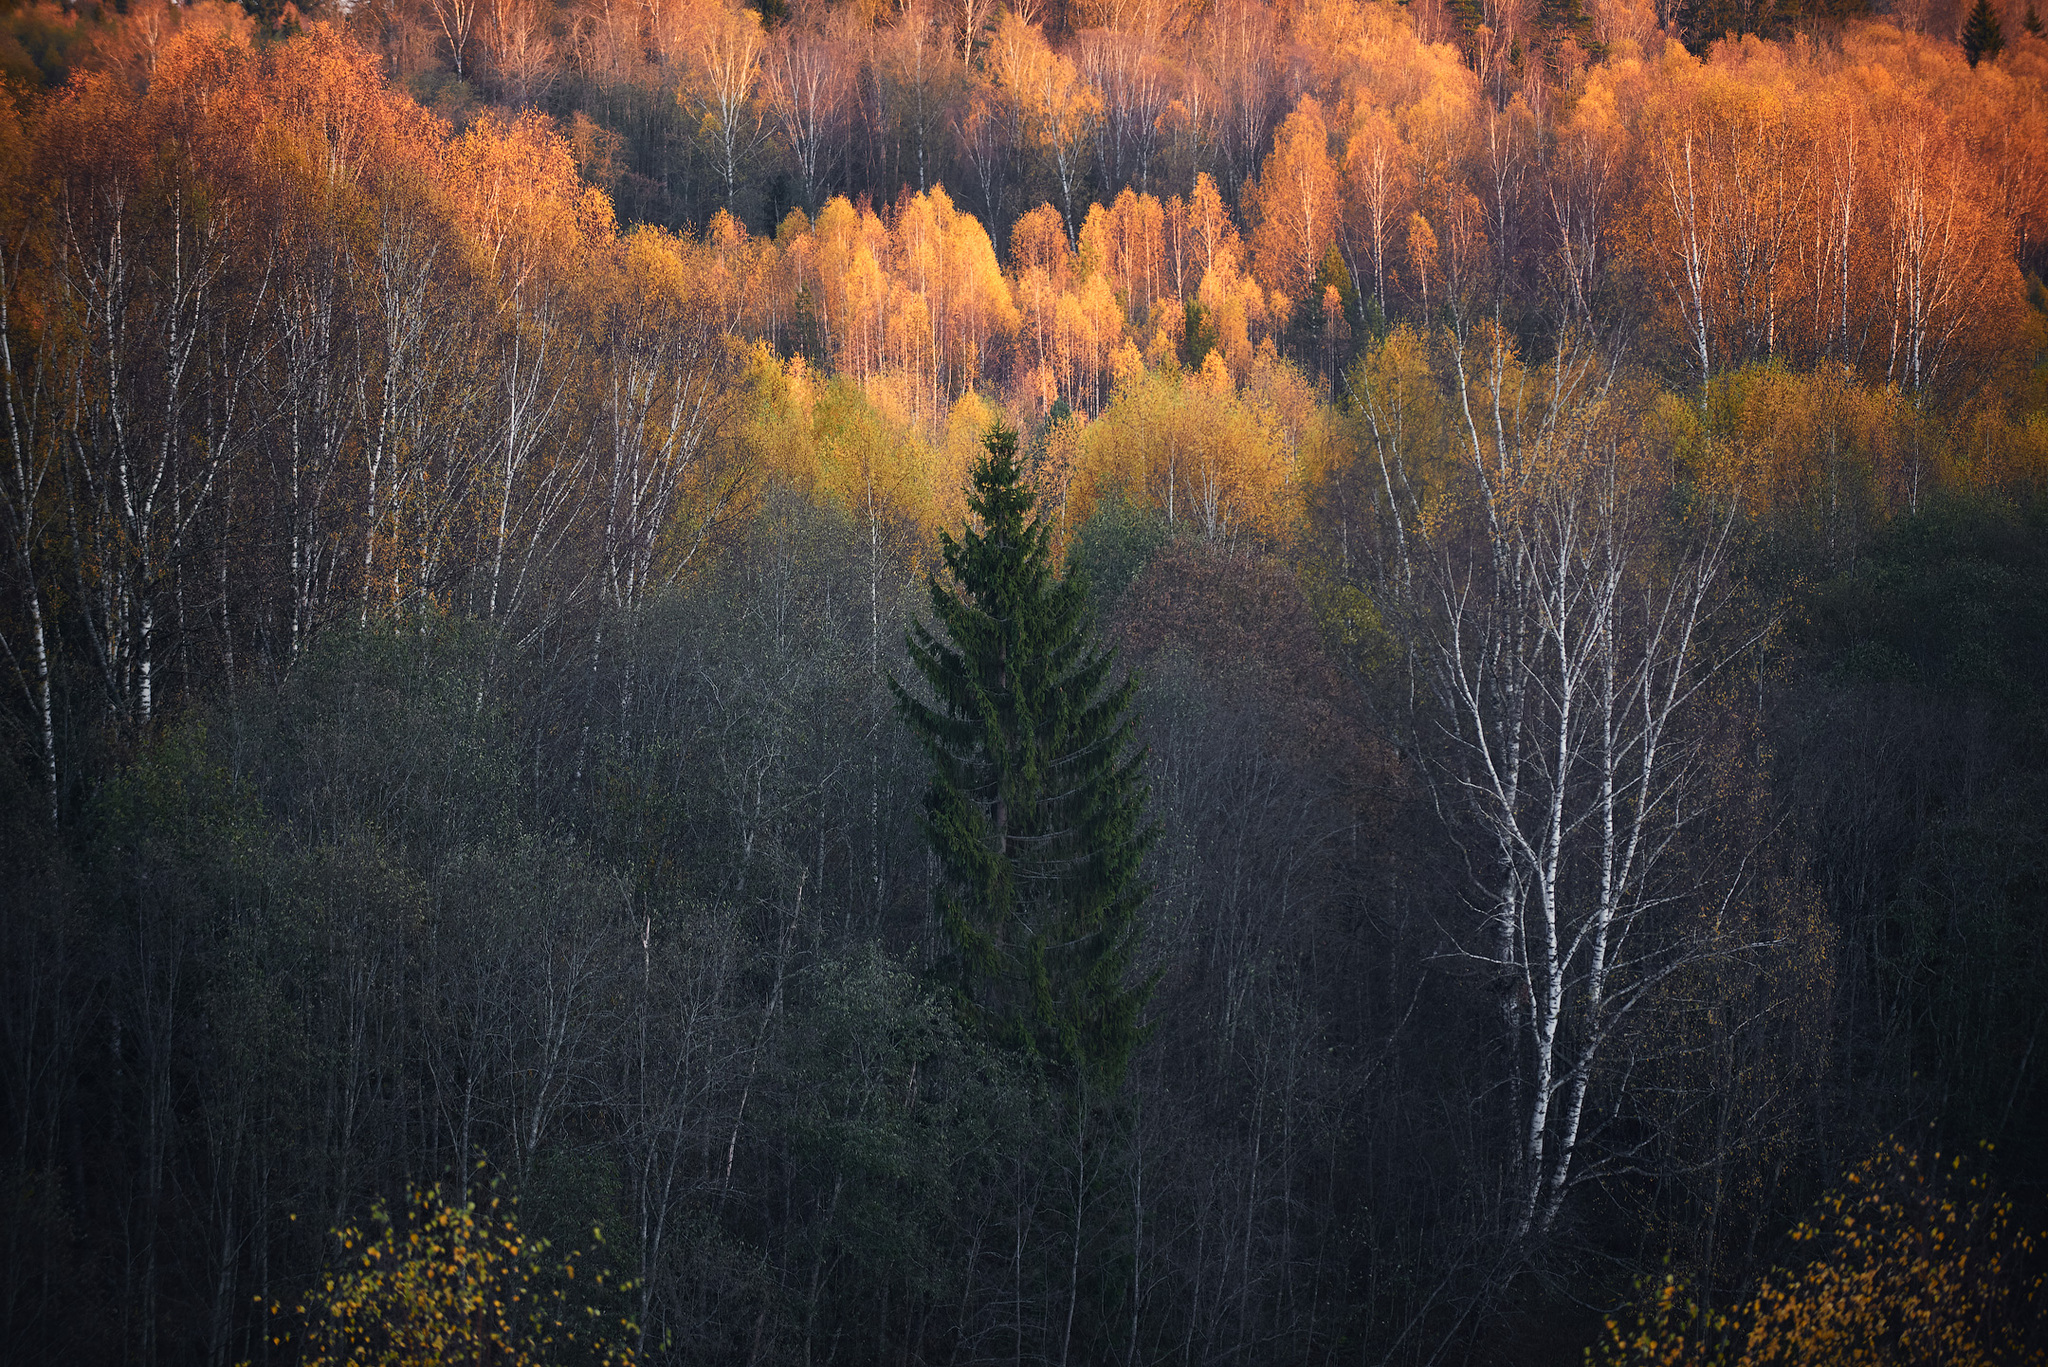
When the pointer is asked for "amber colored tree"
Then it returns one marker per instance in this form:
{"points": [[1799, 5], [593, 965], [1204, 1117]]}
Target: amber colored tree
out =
{"points": [[1192, 449], [1584, 170], [531, 224], [1943, 256], [1210, 226], [1294, 203], [1377, 186], [348, 319], [1043, 268], [154, 223], [943, 259], [1056, 108], [1125, 243]]}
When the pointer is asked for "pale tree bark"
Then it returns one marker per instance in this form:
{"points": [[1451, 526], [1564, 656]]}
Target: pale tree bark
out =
{"points": [[1580, 183], [1829, 263], [1937, 253], [405, 377], [970, 19], [521, 48], [1695, 208], [1765, 198], [986, 128], [1055, 109], [728, 51], [27, 390], [457, 20], [141, 369], [1373, 167], [669, 374], [533, 473], [806, 77], [1129, 81], [1558, 651], [314, 379], [1507, 160], [550, 1058], [1238, 49], [680, 1067]]}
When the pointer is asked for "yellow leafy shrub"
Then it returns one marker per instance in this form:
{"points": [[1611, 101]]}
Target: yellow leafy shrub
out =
{"points": [[446, 1282], [1911, 1261]]}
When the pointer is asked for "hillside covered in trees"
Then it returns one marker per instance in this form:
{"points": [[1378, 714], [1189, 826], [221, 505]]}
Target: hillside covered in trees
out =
{"points": [[534, 701]]}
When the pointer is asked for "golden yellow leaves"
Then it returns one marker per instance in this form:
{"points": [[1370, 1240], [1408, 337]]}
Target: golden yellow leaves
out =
{"points": [[917, 293], [1913, 1263], [520, 200], [1208, 458], [1910, 1260], [444, 1280], [860, 446]]}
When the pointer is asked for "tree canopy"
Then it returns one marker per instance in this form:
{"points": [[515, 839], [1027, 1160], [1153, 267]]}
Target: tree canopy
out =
{"points": [[1036, 803]]}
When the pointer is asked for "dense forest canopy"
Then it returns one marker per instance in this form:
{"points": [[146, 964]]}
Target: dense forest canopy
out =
{"points": [[1541, 564]]}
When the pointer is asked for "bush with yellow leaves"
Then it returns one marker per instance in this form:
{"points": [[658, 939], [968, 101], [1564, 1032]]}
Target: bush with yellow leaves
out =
{"points": [[1911, 1262], [449, 1281]]}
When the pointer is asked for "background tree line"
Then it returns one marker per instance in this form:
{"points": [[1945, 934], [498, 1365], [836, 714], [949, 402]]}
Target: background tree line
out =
{"points": [[1573, 505]]}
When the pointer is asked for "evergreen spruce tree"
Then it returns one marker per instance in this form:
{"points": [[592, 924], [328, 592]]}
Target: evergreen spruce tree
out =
{"points": [[1982, 36], [1035, 807], [2032, 23]]}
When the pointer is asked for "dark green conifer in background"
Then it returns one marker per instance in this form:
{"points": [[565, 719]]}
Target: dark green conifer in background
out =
{"points": [[1036, 807], [1983, 38], [2032, 23]]}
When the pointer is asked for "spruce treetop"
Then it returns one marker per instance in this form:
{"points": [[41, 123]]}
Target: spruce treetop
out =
{"points": [[1983, 35]]}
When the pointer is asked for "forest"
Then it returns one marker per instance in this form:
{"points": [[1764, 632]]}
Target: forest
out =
{"points": [[1276, 681]]}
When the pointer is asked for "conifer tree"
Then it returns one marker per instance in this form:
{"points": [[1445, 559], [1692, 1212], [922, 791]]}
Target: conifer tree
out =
{"points": [[1983, 37], [1035, 807], [2032, 23]]}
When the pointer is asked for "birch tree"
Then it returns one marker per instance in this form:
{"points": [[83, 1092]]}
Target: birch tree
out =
{"points": [[29, 401], [1056, 108], [1936, 236], [727, 53], [668, 372], [145, 243], [806, 79], [1692, 199], [1559, 648], [533, 225]]}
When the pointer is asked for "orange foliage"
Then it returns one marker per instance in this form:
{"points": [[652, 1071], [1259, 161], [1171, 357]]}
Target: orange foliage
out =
{"points": [[1856, 211], [1295, 203]]}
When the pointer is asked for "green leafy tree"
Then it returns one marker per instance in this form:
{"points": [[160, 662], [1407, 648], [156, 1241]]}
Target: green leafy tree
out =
{"points": [[1035, 807], [1983, 38]]}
